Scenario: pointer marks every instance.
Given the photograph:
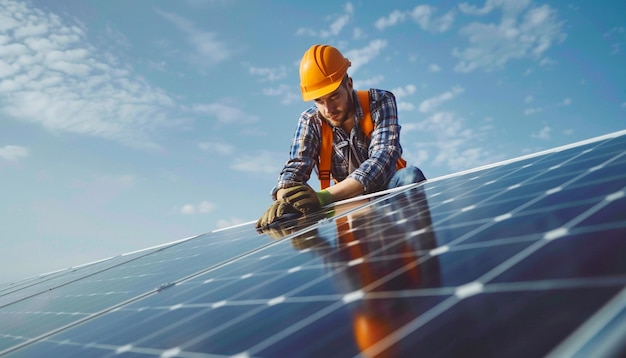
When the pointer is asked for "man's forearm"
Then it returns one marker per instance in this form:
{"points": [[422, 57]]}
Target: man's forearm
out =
{"points": [[346, 189]]}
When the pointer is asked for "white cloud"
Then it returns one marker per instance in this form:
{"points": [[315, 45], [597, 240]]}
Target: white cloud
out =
{"points": [[529, 99], [360, 57], [544, 133], [418, 156], [547, 62], [337, 23], [404, 91], [287, 93], [434, 68], [617, 36], [224, 223], [566, 102], [269, 74], [523, 32], [423, 15], [203, 207], [368, 82], [530, 111], [224, 112], [510, 7], [217, 147], [431, 104], [187, 209], [13, 152], [208, 49], [451, 143], [263, 162], [393, 19], [305, 31], [405, 106], [51, 75]]}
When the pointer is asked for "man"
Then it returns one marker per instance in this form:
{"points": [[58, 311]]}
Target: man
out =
{"points": [[360, 163]]}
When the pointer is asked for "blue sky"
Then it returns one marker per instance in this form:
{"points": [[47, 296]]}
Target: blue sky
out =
{"points": [[125, 125]]}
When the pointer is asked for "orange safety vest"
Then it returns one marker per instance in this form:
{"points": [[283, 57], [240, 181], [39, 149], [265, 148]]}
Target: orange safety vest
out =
{"points": [[367, 126]]}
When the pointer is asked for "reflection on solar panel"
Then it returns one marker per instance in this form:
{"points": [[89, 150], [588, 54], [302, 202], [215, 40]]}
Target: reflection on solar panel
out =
{"points": [[523, 258]]}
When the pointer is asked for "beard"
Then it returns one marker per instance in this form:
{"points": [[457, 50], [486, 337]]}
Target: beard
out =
{"points": [[339, 117]]}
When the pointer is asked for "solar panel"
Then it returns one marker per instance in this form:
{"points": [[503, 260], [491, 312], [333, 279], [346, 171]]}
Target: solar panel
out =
{"points": [[521, 258]]}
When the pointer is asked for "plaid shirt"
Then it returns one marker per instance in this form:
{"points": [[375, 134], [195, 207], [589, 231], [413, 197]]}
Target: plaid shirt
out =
{"points": [[374, 159]]}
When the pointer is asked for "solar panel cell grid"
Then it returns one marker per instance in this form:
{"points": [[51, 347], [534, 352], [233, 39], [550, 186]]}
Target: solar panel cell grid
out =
{"points": [[524, 258]]}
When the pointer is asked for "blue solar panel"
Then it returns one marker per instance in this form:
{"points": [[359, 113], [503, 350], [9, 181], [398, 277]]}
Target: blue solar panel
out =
{"points": [[521, 258]]}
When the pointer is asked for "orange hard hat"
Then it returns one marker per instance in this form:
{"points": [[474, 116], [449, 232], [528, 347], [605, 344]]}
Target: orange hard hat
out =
{"points": [[322, 69]]}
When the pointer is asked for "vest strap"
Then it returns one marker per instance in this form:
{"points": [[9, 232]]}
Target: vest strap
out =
{"points": [[326, 147]]}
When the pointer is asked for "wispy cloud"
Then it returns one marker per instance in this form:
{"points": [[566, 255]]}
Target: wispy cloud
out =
{"points": [[263, 162], [433, 67], [362, 56], [337, 23], [451, 143], [368, 82], [217, 148], [617, 36], [524, 31], [402, 92], [51, 75], [445, 139], [224, 223], [207, 47], [544, 133], [268, 74], [287, 93], [431, 104], [203, 207], [533, 110], [225, 112], [509, 8], [13, 153], [396, 17], [422, 15]]}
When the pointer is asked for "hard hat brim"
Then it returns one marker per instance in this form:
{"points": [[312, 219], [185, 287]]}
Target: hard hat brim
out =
{"points": [[321, 92]]}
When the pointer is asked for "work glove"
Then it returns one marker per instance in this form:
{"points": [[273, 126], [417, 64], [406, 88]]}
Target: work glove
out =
{"points": [[305, 199], [278, 209]]}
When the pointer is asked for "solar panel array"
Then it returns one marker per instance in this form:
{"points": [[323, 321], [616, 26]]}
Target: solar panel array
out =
{"points": [[523, 258]]}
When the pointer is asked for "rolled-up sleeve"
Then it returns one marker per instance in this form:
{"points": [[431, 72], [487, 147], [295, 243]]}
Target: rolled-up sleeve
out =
{"points": [[384, 148]]}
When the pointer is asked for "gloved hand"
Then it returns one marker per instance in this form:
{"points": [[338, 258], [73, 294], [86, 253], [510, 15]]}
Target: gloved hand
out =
{"points": [[305, 199], [274, 212]]}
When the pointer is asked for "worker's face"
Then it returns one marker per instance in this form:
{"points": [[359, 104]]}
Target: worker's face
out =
{"points": [[338, 106]]}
